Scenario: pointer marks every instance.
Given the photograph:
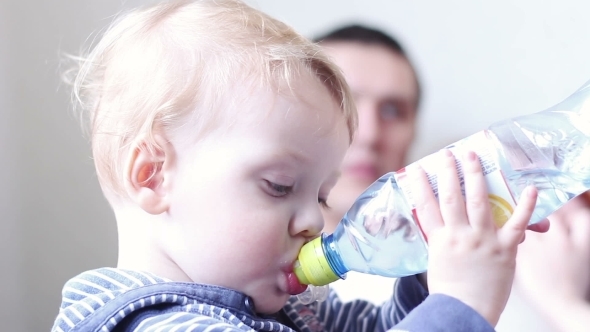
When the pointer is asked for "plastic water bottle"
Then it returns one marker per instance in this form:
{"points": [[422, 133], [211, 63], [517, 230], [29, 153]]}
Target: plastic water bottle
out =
{"points": [[381, 235]]}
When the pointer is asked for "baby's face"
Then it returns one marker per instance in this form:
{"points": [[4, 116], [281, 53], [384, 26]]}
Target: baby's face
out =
{"points": [[245, 199]]}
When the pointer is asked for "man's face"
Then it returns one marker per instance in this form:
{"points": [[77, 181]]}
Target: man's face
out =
{"points": [[386, 95]]}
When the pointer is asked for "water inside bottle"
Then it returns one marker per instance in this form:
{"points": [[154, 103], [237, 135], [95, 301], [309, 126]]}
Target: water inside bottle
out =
{"points": [[387, 238], [555, 188], [550, 150]]}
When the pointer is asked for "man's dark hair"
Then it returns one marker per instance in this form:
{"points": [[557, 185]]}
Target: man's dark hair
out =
{"points": [[366, 35], [362, 34]]}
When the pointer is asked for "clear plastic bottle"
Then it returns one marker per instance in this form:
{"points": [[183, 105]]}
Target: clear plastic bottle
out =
{"points": [[380, 234]]}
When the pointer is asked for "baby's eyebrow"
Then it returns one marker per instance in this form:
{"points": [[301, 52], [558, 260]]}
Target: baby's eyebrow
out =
{"points": [[297, 156]]}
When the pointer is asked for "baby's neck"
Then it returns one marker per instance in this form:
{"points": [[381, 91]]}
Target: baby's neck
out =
{"points": [[140, 245]]}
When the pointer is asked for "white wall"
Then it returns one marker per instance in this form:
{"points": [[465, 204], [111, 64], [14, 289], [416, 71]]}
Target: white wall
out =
{"points": [[479, 62], [10, 235], [57, 222]]}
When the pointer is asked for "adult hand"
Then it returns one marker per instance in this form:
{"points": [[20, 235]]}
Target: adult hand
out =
{"points": [[553, 269]]}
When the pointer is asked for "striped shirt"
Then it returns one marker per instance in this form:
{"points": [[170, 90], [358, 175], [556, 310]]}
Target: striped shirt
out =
{"points": [[117, 300]]}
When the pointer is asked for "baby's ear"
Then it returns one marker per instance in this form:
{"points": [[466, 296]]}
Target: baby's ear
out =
{"points": [[146, 174]]}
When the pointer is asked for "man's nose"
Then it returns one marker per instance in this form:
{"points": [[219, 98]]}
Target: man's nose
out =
{"points": [[368, 125]]}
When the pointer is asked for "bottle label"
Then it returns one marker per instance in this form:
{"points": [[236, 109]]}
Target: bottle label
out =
{"points": [[502, 202]]}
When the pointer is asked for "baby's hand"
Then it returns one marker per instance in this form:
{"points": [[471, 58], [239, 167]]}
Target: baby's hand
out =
{"points": [[469, 258]]}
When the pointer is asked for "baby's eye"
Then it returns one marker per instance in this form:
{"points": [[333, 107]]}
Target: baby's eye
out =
{"points": [[323, 202], [278, 190]]}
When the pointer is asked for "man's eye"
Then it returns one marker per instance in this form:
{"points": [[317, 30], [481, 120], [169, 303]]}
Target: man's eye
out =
{"points": [[278, 190], [389, 111]]}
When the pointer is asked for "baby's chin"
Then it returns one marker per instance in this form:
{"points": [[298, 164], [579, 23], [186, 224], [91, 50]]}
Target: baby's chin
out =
{"points": [[267, 304]]}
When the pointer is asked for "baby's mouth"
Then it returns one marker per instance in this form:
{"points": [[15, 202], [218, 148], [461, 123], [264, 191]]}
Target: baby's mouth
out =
{"points": [[294, 287]]}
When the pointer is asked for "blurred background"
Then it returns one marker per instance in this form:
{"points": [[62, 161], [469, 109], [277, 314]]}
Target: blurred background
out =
{"points": [[478, 61]]}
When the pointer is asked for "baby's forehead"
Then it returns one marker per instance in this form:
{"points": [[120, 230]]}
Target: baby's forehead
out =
{"points": [[249, 104], [303, 91]]}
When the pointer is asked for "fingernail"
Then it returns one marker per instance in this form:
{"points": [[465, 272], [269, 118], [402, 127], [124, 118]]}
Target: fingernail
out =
{"points": [[470, 155], [444, 155], [531, 191], [447, 153], [412, 170]]}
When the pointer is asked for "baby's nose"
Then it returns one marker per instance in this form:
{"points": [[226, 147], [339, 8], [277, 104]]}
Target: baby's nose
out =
{"points": [[308, 224]]}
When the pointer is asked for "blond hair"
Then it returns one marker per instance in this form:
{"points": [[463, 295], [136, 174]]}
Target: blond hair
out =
{"points": [[153, 67]]}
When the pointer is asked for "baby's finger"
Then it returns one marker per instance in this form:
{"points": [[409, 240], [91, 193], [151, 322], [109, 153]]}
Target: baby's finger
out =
{"points": [[512, 232], [476, 194], [427, 209], [450, 197]]}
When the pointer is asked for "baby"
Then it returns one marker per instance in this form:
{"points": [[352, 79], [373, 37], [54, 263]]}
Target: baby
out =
{"points": [[217, 133]]}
